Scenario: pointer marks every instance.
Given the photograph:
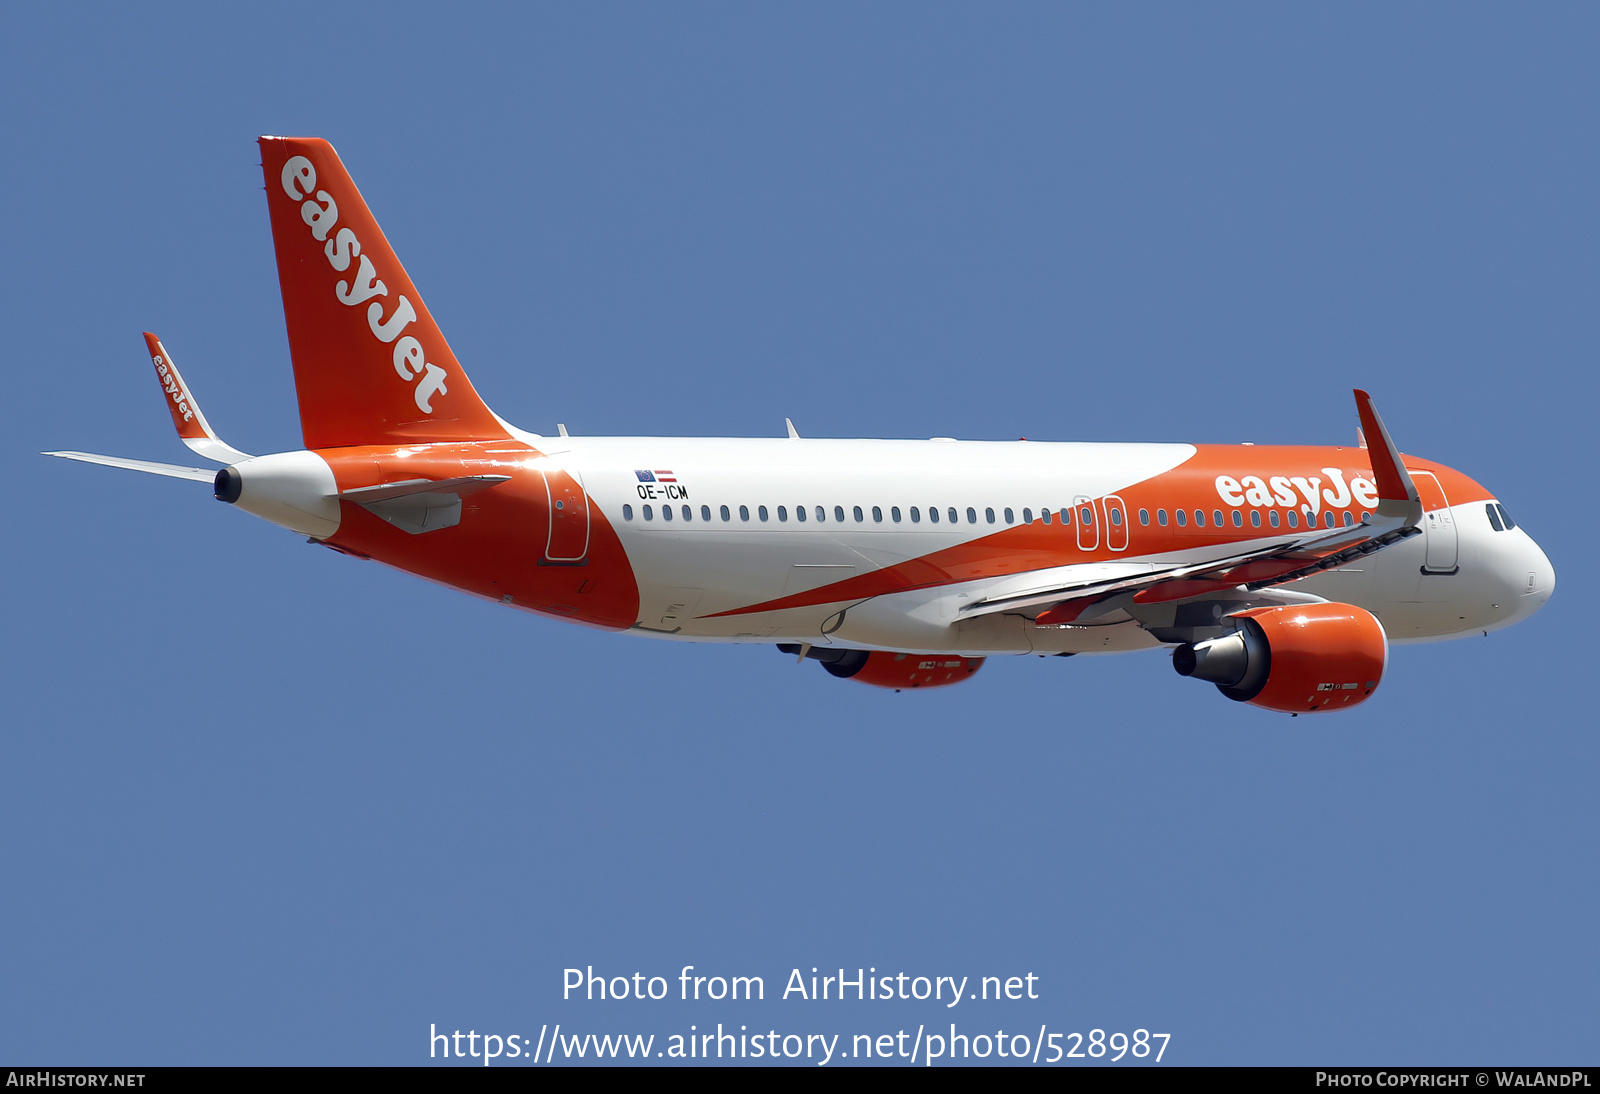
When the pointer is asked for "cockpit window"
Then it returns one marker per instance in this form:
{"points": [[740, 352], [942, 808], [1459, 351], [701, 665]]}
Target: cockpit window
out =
{"points": [[1494, 518], [1505, 516]]}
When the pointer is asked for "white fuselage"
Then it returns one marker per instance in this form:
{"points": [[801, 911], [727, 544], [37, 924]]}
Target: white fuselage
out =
{"points": [[753, 522]]}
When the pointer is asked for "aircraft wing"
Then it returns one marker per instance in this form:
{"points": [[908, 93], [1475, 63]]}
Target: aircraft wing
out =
{"points": [[1266, 564], [1259, 565]]}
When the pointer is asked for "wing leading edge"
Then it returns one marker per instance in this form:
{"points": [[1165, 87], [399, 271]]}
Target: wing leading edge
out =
{"points": [[1398, 514]]}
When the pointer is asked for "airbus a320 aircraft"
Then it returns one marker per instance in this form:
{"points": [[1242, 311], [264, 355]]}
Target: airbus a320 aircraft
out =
{"points": [[1279, 574]]}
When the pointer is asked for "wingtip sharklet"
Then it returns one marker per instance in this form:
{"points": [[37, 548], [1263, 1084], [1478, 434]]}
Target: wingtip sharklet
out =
{"points": [[1396, 492], [193, 429]]}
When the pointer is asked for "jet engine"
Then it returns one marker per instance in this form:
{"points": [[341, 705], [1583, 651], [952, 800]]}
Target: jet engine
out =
{"points": [[1295, 658], [891, 670]]}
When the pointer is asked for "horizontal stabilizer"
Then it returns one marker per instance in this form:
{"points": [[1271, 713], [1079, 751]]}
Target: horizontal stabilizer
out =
{"points": [[172, 471], [467, 484], [420, 505]]}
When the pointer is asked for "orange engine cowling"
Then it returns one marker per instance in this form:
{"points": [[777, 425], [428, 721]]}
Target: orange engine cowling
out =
{"points": [[892, 670], [1297, 659], [912, 670]]}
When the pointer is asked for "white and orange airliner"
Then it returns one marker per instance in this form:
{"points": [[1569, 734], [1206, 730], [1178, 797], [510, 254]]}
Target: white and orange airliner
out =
{"points": [[1280, 574]]}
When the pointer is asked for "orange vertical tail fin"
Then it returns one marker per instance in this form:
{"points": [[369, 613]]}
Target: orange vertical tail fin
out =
{"points": [[370, 365]]}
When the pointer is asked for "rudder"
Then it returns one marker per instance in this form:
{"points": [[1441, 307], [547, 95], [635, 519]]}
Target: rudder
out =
{"points": [[370, 364]]}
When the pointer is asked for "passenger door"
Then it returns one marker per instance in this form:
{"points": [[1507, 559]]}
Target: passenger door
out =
{"points": [[1438, 525]]}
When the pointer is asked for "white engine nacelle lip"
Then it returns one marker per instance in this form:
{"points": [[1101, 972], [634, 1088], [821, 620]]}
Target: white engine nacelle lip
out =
{"points": [[295, 490]]}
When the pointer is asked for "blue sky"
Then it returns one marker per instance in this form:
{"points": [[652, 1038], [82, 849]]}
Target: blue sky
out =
{"points": [[266, 804]]}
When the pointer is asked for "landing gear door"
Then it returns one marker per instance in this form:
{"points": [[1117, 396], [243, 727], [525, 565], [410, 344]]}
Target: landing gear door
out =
{"points": [[568, 539], [1438, 526]]}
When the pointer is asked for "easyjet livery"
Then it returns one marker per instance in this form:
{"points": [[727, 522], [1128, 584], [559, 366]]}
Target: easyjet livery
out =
{"points": [[1279, 574]]}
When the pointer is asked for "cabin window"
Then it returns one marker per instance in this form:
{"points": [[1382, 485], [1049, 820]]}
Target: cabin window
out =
{"points": [[1272, 518], [649, 514], [916, 515], [1161, 517], [1086, 516], [627, 514], [1027, 516], [1199, 518], [951, 513], [1494, 518], [1255, 518], [1238, 519], [1348, 519], [726, 516], [1046, 515], [856, 512], [877, 515], [1183, 517], [666, 512], [988, 515], [1327, 519], [783, 513], [894, 513], [822, 514], [1010, 519], [1116, 517], [799, 513], [744, 512], [933, 514], [1066, 516], [972, 515], [1216, 517], [1294, 519], [705, 512], [1144, 516], [688, 514], [761, 512]]}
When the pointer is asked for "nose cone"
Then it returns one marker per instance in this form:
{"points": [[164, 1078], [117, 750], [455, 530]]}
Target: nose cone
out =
{"points": [[1541, 575], [1526, 574]]}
